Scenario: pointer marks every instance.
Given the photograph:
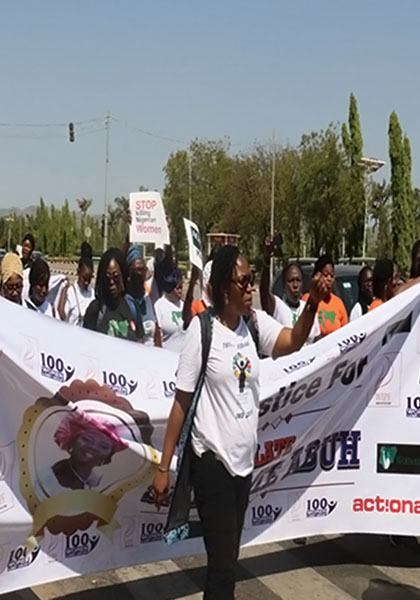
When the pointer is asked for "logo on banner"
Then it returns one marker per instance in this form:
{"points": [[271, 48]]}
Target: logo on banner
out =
{"points": [[55, 368], [80, 544], [21, 557], [320, 507], [398, 458], [119, 383], [351, 342], [299, 365], [75, 463], [169, 388], [151, 532], [413, 407], [264, 514]]}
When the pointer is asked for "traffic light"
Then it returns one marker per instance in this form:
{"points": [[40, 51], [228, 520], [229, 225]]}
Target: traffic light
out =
{"points": [[71, 132]]}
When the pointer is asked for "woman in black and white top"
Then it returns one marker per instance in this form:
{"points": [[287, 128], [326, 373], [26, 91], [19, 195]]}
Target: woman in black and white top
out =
{"points": [[39, 280], [224, 432]]}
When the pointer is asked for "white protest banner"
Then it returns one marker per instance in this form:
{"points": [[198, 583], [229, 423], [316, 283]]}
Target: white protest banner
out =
{"points": [[338, 449], [148, 220], [194, 243]]}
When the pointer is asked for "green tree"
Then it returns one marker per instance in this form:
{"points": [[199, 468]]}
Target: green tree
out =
{"points": [[411, 225], [401, 214], [324, 190], [212, 170], [353, 145]]}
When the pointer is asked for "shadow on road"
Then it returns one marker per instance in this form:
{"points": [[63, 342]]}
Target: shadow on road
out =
{"points": [[361, 550]]}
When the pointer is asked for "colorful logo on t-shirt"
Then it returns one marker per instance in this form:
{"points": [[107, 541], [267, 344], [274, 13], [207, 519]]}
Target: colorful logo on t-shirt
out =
{"points": [[326, 316], [242, 369], [176, 316], [118, 328]]}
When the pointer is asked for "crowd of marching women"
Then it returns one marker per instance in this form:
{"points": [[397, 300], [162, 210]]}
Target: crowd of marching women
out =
{"points": [[144, 302], [219, 338]]}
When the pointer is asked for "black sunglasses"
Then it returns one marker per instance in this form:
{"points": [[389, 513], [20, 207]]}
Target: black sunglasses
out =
{"points": [[244, 281]]}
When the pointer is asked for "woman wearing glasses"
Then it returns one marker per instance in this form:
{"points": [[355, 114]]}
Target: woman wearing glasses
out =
{"points": [[12, 278], [168, 310], [224, 428], [113, 312]]}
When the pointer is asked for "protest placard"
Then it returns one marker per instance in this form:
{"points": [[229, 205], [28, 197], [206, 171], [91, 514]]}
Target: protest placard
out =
{"points": [[148, 219], [194, 243]]}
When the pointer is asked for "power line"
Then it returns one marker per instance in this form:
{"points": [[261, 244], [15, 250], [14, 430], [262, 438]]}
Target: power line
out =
{"points": [[149, 133]]}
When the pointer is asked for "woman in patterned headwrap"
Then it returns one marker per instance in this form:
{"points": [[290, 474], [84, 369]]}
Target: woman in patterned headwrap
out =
{"points": [[90, 442], [12, 278]]}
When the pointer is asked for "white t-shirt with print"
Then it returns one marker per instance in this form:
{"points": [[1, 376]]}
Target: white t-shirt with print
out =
{"points": [[227, 411], [46, 308], [287, 316], [169, 319], [356, 312], [77, 302]]}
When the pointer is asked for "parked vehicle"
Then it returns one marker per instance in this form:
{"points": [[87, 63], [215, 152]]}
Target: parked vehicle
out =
{"points": [[345, 285]]}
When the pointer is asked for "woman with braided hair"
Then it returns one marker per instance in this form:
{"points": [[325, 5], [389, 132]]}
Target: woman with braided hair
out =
{"points": [[113, 312]]}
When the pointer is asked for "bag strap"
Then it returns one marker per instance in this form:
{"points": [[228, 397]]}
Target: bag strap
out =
{"points": [[206, 323], [101, 316], [206, 327], [136, 316]]}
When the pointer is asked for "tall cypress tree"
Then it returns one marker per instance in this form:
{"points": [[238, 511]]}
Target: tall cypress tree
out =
{"points": [[401, 218], [411, 225], [353, 145]]}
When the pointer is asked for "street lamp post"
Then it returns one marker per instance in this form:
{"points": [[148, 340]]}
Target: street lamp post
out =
{"points": [[9, 220], [370, 165]]}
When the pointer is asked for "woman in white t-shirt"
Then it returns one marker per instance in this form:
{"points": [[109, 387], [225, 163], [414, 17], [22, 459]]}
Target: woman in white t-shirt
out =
{"points": [[288, 309], [39, 279], [224, 427], [168, 309], [75, 298], [365, 298]]}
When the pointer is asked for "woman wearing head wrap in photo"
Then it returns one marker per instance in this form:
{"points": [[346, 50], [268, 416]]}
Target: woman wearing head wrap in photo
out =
{"points": [[89, 443], [12, 278], [168, 311], [138, 289], [39, 279]]}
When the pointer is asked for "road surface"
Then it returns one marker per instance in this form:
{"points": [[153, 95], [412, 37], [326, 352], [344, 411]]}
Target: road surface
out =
{"points": [[359, 567]]}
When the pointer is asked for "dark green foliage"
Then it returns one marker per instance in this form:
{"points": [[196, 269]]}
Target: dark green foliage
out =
{"points": [[353, 145], [402, 196]]}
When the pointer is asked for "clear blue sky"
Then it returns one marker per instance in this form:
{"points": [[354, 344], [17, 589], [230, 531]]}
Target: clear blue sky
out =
{"points": [[186, 69]]}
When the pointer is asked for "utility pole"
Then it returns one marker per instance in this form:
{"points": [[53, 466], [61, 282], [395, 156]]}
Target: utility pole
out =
{"points": [[189, 186], [273, 178], [107, 131], [370, 165]]}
